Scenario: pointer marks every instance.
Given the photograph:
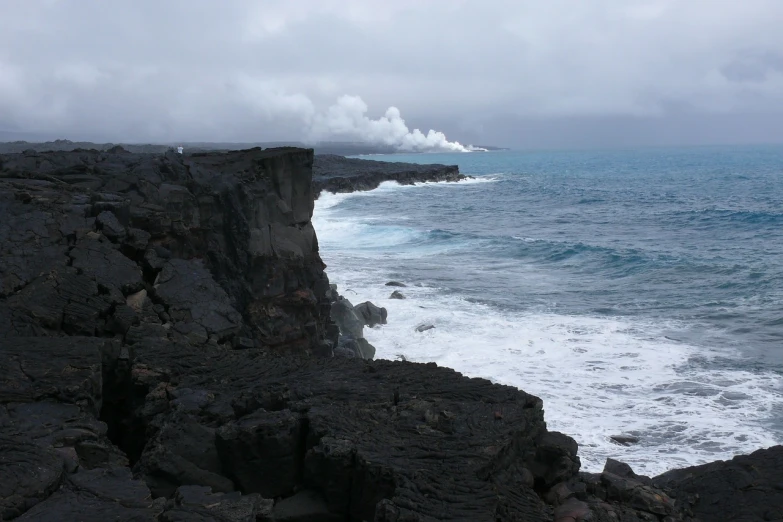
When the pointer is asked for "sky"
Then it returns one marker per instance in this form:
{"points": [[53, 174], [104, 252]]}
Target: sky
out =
{"points": [[515, 73]]}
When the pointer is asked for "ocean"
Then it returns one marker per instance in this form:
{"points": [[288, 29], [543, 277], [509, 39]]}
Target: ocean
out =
{"points": [[637, 292]]}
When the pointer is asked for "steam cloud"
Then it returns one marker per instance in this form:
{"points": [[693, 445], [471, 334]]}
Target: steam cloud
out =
{"points": [[348, 119]]}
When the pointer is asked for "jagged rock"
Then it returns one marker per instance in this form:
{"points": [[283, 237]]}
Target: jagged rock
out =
{"points": [[183, 452], [366, 350], [184, 349], [397, 295], [343, 313], [573, 511], [370, 314], [262, 440], [137, 239], [111, 226], [747, 487]]}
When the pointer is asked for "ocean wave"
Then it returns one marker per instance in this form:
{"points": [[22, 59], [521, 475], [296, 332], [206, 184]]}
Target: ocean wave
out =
{"points": [[598, 376], [600, 292], [719, 215]]}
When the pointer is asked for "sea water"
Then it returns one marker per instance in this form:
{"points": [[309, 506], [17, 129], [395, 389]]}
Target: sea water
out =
{"points": [[637, 292]]}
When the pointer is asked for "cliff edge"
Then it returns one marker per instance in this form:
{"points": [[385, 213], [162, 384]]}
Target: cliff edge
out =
{"points": [[166, 354]]}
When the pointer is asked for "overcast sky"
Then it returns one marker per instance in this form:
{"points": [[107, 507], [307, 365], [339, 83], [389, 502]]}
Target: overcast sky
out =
{"points": [[524, 73]]}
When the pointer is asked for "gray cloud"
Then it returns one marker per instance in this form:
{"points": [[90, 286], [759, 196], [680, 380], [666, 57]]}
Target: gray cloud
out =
{"points": [[496, 71]]}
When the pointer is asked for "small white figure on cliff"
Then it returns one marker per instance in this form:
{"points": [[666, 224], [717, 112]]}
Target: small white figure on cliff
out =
{"points": [[179, 150]]}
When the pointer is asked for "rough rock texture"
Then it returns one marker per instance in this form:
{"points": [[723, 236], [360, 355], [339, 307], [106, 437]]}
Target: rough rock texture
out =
{"points": [[339, 174], [350, 321], [745, 488], [160, 317], [204, 236]]}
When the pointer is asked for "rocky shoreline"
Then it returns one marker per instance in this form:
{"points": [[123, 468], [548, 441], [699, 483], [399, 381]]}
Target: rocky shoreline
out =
{"points": [[339, 174], [171, 350]]}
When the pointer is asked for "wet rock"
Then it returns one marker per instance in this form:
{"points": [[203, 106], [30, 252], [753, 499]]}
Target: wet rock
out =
{"points": [[366, 350], [555, 459], [370, 314], [396, 283], [624, 440], [349, 347], [397, 295], [623, 485], [747, 487], [344, 314], [424, 327]]}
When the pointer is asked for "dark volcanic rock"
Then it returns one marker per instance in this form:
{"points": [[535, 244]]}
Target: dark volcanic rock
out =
{"points": [[97, 496], [747, 488], [222, 241], [200, 504], [160, 317], [331, 425], [339, 174], [624, 440], [349, 322], [370, 314]]}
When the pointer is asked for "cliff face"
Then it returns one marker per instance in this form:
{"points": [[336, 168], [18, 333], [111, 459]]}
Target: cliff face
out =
{"points": [[215, 247], [160, 321]]}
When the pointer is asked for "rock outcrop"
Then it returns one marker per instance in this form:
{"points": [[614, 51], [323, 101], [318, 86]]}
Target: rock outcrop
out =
{"points": [[339, 174], [220, 245], [166, 354]]}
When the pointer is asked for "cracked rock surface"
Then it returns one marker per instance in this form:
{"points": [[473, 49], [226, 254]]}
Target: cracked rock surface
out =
{"points": [[167, 354]]}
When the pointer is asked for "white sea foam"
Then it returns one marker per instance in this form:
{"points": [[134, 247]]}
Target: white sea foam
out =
{"points": [[598, 376]]}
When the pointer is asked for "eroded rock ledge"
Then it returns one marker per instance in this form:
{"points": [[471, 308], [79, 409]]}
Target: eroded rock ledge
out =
{"points": [[166, 354], [339, 174]]}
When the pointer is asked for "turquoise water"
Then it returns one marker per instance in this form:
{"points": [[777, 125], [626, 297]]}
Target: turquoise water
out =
{"points": [[636, 291]]}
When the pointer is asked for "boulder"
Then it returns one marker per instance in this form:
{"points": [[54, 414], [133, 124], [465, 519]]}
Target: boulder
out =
{"points": [[370, 314], [624, 440], [397, 295], [344, 314]]}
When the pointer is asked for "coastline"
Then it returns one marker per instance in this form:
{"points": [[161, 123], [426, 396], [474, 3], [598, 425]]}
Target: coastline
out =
{"points": [[181, 302]]}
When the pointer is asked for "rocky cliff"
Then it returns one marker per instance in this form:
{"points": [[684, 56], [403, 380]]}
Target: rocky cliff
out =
{"points": [[166, 353]]}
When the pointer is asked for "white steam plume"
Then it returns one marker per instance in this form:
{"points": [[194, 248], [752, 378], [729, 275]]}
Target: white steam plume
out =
{"points": [[347, 119]]}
